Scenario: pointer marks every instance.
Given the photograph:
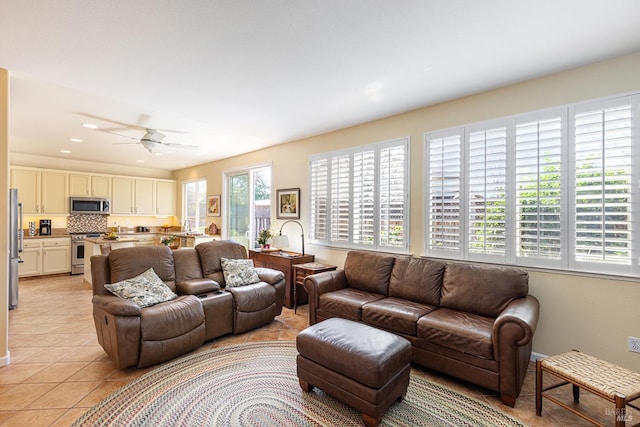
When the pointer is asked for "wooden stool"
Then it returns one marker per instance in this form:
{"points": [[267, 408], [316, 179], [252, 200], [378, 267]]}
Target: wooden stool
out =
{"points": [[611, 382]]}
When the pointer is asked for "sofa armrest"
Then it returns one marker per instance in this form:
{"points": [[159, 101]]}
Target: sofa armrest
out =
{"points": [[269, 275], [522, 312], [512, 337], [320, 283], [117, 306], [197, 286]]}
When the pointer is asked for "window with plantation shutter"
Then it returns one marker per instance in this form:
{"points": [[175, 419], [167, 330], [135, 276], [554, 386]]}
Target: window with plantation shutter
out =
{"points": [[340, 197], [556, 189], [367, 192], [486, 191], [319, 198], [444, 167], [392, 195], [603, 190], [538, 176], [364, 184]]}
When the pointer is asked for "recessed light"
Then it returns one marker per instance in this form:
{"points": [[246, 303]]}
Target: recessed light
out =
{"points": [[65, 151], [140, 161], [75, 140], [90, 125], [158, 154]]}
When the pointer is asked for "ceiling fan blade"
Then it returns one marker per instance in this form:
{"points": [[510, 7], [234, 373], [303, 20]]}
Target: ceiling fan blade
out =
{"points": [[118, 134], [185, 146]]}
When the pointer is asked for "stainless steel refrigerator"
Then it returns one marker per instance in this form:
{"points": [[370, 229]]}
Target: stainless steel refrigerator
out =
{"points": [[15, 245]]}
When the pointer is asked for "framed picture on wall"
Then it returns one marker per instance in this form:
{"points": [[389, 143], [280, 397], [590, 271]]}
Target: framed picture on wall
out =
{"points": [[213, 205], [288, 203]]}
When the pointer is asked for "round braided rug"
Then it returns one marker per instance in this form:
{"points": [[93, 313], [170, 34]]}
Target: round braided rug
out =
{"points": [[255, 384]]}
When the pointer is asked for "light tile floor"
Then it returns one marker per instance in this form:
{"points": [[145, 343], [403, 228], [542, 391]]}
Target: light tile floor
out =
{"points": [[58, 370]]}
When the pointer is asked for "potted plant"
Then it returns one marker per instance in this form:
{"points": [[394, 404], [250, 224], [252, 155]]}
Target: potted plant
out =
{"points": [[263, 237]]}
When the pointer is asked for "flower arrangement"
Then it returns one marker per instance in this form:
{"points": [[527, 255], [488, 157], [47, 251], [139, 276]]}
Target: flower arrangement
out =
{"points": [[263, 237], [166, 240]]}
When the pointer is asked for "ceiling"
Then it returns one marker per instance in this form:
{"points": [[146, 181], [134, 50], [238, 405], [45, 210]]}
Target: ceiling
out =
{"points": [[233, 76]]}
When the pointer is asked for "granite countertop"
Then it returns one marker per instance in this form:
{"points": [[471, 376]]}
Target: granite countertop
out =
{"points": [[120, 239]]}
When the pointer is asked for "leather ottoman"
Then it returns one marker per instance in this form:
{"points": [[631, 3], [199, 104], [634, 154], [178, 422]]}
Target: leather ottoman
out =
{"points": [[366, 368]]}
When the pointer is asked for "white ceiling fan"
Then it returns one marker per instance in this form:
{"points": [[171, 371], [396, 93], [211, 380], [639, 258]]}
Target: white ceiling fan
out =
{"points": [[152, 141]]}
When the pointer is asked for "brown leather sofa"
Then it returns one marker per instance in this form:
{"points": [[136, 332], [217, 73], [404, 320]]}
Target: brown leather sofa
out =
{"points": [[204, 309], [472, 322]]}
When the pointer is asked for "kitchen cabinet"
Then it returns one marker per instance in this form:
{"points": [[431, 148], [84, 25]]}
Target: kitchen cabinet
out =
{"points": [[132, 196], [31, 264], [145, 197], [45, 256], [122, 196], [165, 198], [89, 185], [41, 191], [145, 240], [282, 261]]}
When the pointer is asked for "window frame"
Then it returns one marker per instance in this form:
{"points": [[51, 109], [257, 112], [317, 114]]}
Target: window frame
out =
{"points": [[327, 231], [568, 257]]}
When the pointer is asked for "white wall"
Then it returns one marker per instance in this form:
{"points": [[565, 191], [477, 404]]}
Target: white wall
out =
{"points": [[4, 219], [592, 314]]}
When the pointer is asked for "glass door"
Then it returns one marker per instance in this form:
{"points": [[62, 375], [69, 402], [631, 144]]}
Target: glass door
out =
{"points": [[249, 203]]}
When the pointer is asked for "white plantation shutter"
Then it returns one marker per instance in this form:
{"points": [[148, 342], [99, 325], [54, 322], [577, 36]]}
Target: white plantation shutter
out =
{"points": [[367, 189], [538, 171], [603, 190], [444, 179], [393, 173], [319, 198], [364, 184], [340, 199], [486, 191], [553, 189]]}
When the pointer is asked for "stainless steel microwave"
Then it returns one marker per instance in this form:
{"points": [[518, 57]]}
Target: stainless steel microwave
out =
{"points": [[90, 205]]}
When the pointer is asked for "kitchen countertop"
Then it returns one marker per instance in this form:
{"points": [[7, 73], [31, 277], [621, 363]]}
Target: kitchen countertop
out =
{"points": [[120, 239]]}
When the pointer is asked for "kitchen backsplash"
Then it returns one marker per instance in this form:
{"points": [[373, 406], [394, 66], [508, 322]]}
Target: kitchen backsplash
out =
{"points": [[86, 223]]}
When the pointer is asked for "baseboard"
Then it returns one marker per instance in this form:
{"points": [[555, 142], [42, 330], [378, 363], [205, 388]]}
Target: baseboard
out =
{"points": [[535, 356], [5, 360]]}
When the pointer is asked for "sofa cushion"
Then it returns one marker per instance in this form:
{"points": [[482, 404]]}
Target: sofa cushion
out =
{"points": [[482, 290], [165, 321], [126, 263], [369, 271], [187, 262], [395, 314], [417, 279], [238, 272], [457, 330], [145, 289], [210, 254], [346, 303], [254, 297]]}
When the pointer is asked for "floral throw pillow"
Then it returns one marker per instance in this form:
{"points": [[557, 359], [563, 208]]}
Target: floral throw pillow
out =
{"points": [[146, 289], [238, 272]]}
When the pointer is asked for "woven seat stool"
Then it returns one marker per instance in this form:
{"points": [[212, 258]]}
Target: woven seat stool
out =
{"points": [[606, 380], [364, 367]]}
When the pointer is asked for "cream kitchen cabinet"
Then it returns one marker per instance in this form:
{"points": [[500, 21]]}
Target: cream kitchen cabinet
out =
{"points": [[165, 198], [145, 240], [45, 256], [41, 191], [89, 185], [132, 196], [145, 197], [31, 257]]}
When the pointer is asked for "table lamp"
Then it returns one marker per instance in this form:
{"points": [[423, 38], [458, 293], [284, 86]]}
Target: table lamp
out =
{"points": [[285, 237]]}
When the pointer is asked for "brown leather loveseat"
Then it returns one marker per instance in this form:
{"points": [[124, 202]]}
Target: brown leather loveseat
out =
{"points": [[473, 322], [204, 309]]}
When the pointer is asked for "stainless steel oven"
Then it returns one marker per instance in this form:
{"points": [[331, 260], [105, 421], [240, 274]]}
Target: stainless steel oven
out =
{"points": [[77, 251]]}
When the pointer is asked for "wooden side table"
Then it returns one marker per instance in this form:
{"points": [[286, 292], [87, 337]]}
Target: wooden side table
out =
{"points": [[277, 261], [300, 272]]}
